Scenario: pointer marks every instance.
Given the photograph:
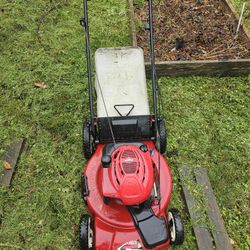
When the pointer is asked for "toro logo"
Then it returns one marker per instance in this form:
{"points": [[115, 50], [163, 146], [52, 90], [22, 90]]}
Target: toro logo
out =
{"points": [[131, 245], [128, 160]]}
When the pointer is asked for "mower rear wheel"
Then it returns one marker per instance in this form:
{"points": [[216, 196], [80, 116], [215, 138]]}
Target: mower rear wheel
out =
{"points": [[86, 233], [175, 226], [162, 135], [88, 140]]}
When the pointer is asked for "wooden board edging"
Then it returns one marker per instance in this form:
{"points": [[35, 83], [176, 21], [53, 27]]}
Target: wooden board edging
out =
{"points": [[219, 232], [132, 22], [201, 68], [202, 235], [207, 237], [11, 157]]}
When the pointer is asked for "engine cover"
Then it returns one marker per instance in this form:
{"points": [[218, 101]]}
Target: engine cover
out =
{"points": [[130, 176]]}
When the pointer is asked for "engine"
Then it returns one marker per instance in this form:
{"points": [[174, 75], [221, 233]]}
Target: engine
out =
{"points": [[129, 176]]}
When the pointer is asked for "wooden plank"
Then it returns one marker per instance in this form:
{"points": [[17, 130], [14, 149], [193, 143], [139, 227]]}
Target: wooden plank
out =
{"points": [[221, 238], [132, 22], [201, 68], [203, 237], [11, 157], [231, 9]]}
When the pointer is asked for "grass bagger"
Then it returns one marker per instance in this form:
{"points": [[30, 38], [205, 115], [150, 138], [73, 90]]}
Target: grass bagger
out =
{"points": [[127, 182]]}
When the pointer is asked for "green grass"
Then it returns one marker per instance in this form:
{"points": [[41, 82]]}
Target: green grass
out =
{"points": [[208, 121]]}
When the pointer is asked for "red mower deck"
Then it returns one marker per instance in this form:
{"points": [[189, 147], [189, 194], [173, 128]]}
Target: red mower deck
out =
{"points": [[114, 225]]}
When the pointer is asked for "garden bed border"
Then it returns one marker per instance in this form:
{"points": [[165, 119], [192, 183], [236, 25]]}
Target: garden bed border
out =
{"points": [[221, 68]]}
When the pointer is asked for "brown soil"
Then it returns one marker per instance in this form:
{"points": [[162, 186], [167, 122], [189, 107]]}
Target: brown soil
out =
{"points": [[193, 30]]}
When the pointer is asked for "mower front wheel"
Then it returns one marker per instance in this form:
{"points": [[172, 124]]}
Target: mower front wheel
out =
{"points": [[86, 233], [88, 140], [175, 226]]}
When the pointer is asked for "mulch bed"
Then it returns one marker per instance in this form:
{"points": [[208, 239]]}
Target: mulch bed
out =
{"points": [[193, 30]]}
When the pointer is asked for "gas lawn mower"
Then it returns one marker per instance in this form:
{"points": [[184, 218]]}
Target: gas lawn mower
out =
{"points": [[127, 183]]}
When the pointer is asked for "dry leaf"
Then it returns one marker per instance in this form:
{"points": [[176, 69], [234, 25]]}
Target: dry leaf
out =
{"points": [[6, 165], [40, 84], [233, 243]]}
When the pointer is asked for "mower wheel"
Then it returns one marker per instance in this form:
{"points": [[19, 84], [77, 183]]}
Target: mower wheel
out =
{"points": [[84, 188], [163, 136], [86, 233], [175, 226], [88, 140]]}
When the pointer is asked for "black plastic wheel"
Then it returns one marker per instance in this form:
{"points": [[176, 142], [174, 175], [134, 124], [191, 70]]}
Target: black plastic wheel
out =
{"points": [[163, 136], [175, 226], [86, 233], [84, 188], [88, 147]]}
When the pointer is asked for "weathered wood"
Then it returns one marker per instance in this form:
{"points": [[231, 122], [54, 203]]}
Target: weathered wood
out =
{"points": [[219, 232], [201, 68], [203, 237], [11, 157], [231, 9], [132, 22]]}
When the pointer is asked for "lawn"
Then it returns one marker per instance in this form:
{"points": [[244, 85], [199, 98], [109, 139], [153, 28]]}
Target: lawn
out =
{"points": [[207, 118]]}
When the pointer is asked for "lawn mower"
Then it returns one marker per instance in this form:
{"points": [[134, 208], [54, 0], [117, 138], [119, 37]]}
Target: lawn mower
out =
{"points": [[126, 183]]}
